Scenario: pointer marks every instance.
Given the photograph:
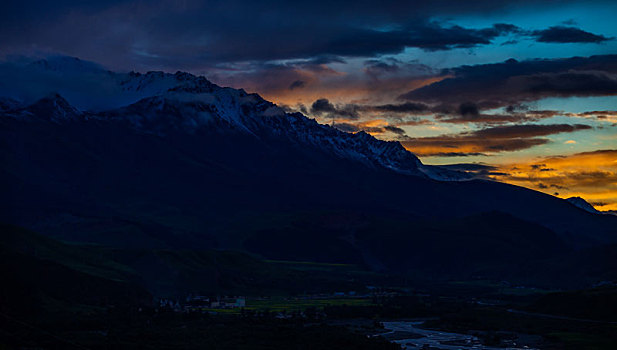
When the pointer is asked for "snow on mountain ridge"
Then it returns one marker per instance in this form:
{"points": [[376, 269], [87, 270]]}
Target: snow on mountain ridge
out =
{"points": [[53, 108], [159, 102], [582, 204]]}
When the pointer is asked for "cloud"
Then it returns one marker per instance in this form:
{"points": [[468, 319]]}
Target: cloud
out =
{"points": [[289, 52], [196, 34], [565, 84], [469, 112], [563, 34], [489, 118], [532, 130], [373, 127], [297, 84], [457, 95], [415, 121], [512, 82], [540, 167], [407, 108], [375, 68], [87, 85], [449, 145], [279, 82], [590, 175], [430, 36], [323, 107], [193, 35], [600, 116], [394, 129], [468, 109], [488, 141]]}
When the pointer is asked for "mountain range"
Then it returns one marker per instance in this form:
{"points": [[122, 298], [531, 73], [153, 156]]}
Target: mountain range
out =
{"points": [[173, 161]]}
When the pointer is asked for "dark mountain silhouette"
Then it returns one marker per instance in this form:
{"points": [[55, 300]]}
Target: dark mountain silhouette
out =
{"points": [[177, 162]]}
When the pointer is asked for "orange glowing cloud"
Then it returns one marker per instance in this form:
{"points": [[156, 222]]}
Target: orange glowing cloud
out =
{"points": [[590, 175], [506, 138]]}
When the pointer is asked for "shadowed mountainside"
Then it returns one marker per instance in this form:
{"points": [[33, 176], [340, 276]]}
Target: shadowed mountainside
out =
{"points": [[186, 164]]}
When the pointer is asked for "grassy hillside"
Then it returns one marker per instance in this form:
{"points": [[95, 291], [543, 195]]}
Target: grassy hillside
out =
{"points": [[169, 272]]}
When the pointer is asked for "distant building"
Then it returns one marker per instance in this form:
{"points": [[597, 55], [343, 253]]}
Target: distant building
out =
{"points": [[203, 302], [231, 302]]}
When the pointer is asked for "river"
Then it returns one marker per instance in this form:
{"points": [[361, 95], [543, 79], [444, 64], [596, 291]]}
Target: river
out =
{"points": [[410, 336]]}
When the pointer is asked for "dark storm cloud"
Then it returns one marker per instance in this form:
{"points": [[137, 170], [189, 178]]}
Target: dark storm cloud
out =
{"points": [[489, 140], [429, 36], [23, 11], [489, 118], [297, 84], [468, 109], [394, 129], [323, 107], [512, 82], [562, 34], [407, 108], [568, 84], [347, 41], [466, 113], [191, 34], [349, 127], [469, 112], [516, 131]]}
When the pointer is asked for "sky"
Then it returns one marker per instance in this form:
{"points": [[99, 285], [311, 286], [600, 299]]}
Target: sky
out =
{"points": [[523, 92]]}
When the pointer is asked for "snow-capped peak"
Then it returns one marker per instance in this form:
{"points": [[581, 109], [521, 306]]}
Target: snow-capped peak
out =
{"points": [[52, 108], [582, 204], [158, 102]]}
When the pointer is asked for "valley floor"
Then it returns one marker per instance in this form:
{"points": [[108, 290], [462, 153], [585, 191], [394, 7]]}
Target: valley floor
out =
{"points": [[396, 322]]}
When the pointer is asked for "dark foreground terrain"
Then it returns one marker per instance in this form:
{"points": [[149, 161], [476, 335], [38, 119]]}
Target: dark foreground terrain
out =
{"points": [[59, 296]]}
